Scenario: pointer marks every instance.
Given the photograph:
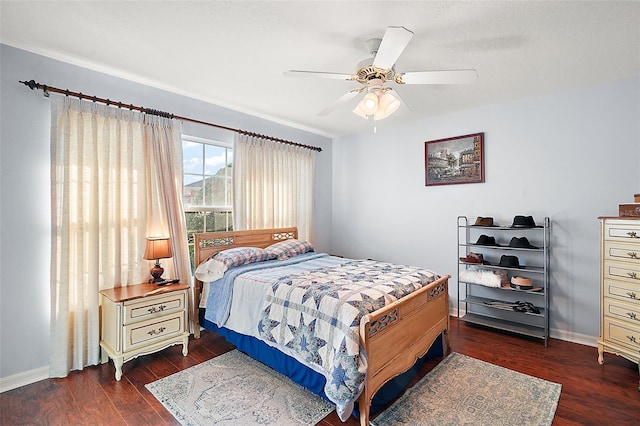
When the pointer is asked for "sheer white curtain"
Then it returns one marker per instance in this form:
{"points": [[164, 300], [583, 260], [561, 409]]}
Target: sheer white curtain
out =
{"points": [[163, 141], [272, 185], [105, 203]]}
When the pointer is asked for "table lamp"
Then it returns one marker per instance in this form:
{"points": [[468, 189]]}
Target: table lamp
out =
{"points": [[157, 248]]}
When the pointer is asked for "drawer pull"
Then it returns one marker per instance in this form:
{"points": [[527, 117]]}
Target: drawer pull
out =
{"points": [[631, 294], [632, 254], [152, 332], [632, 275], [632, 234], [632, 339], [632, 315], [153, 309]]}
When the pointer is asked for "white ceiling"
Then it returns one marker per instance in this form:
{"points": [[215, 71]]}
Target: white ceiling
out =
{"points": [[234, 53]]}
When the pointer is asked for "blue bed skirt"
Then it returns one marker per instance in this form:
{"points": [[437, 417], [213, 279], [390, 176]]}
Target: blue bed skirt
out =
{"points": [[311, 379]]}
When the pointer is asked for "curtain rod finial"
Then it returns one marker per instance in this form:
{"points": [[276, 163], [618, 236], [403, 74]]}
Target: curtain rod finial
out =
{"points": [[30, 84]]}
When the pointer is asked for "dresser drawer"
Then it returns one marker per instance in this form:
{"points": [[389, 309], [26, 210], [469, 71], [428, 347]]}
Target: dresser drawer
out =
{"points": [[622, 333], [626, 271], [148, 332], [622, 290], [622, 230], [153, 307], [622, 252], [622, 309]]}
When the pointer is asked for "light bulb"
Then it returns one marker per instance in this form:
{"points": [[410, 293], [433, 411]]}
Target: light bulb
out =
{"points": [[369, 103]]}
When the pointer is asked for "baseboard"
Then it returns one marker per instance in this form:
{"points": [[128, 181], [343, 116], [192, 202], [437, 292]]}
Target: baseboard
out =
{"points": [[24, 378], [568, 336]]}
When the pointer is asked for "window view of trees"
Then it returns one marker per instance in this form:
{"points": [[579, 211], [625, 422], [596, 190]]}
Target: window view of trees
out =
{"points": [[207, 187]]}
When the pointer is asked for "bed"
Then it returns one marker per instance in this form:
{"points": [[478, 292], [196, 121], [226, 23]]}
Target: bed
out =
{"points": [[389, 339]]}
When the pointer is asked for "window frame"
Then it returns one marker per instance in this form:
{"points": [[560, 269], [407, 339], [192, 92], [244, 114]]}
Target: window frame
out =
{"points": [[204, 209]]}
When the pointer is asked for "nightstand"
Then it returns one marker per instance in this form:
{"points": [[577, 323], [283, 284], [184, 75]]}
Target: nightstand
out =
{"points": [[142, 319]]}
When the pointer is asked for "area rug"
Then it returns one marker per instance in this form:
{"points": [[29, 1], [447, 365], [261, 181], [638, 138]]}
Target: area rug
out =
{"points": [[233, 389], [465, 391]]}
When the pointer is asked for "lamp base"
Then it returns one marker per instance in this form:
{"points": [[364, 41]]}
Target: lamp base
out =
{"points": [[156, 273]]}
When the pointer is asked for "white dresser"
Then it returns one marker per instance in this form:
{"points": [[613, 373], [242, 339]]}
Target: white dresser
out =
{"points": [[620, 288], [142, 319]]}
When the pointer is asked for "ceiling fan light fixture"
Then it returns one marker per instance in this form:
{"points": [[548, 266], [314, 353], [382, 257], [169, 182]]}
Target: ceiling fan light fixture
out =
{"points": [[369, 104], [358, 111], [388, 105]]}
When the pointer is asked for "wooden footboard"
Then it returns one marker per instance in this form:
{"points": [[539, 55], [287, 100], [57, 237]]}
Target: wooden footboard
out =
{"points": [[395, 336]]}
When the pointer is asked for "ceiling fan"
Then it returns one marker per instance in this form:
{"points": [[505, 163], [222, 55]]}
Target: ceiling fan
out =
{"points": [[381, 101]]}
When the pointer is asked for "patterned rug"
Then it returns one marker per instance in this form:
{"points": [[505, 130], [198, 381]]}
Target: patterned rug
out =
{"points": [[466, 391], [233, 389]]}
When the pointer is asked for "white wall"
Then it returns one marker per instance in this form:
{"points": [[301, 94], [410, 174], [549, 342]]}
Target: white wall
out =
{"points": [[25, 206], [571, 156]]}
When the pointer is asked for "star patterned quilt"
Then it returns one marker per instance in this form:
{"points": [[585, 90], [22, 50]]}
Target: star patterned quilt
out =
{"points": [[316, 314]]}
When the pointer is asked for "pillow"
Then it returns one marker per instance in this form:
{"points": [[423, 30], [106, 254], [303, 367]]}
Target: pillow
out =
{"points": [[210, 270], [242, 256], [283, 250], [214, 268]]}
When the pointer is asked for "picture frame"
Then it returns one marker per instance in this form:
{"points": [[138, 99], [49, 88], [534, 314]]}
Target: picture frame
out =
{"points": [[455, 160]]}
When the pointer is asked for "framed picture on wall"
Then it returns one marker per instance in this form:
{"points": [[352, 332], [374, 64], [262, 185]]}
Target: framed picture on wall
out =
{"points": [[454, 160]]}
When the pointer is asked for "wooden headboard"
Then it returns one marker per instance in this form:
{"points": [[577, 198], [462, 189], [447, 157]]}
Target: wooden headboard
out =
{"points": [[209, 243]]}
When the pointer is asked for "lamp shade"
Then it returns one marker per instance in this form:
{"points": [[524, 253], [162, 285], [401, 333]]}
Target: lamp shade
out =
{"points": [[158, 248]]}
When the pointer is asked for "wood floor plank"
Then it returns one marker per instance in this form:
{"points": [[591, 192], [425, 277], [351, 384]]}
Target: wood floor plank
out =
{"points": [[93, 402], [591, 393], [143, 376], [125, 397], [47, 402]]}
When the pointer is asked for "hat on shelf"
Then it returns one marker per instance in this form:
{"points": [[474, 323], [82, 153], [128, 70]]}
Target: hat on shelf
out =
{"points": [[524, 222], [485, 240], [522, 283], [521, 242], [484, 221], [507, 261], [476, 258]]}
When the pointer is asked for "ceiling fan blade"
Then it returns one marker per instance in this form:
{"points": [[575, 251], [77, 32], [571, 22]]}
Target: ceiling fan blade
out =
{"points": [[342, 100], [437, 77], [316, 74], [394, 41]]}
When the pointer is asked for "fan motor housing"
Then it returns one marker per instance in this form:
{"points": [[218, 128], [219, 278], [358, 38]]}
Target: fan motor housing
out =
{"points": [[369, 72]]}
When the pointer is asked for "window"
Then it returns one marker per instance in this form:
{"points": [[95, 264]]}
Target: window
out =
{"points": [[207, 186]]}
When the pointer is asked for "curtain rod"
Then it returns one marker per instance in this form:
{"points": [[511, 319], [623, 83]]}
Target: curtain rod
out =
{"points": [[46, 89]]}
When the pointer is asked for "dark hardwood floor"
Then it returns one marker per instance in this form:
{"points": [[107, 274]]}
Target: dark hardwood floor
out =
{"points": [[591, 393]]}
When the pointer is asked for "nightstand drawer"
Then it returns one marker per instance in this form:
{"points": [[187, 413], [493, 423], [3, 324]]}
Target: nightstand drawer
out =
{"points": [[147, 332], [622, 333], [153, 307], [617, 251], [623, 310]]}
